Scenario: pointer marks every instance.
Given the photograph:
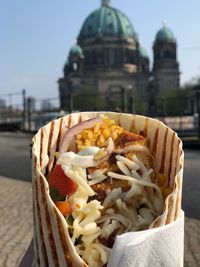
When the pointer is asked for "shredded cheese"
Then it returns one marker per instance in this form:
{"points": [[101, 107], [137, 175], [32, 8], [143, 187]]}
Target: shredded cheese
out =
{"points": [[85, 215], [123, 168], [131, 148], [97, 177], [140, 163], [121, 209], [79, 180], [98, 180], [96, 174], [117, 217], [132, 165], [129, 213], [112, 196], [146, 215], [137, 181], [70, 158]]}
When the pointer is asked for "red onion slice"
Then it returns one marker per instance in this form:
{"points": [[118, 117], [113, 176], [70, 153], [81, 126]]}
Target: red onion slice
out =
{"points": [[72, 145], [76, 129]]}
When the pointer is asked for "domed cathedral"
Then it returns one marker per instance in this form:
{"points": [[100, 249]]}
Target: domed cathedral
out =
{"points": [[165, 65], [108, 58]]}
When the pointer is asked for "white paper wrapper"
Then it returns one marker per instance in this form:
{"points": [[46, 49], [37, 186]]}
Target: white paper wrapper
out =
{"points": [[162, 246]]}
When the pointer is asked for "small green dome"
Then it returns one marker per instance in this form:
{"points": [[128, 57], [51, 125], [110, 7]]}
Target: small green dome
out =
{"points": [[107, 21], [143, 52], [165, 34], [76, 50]]}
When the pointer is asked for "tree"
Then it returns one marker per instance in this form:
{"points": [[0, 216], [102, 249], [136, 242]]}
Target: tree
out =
{"points": [[88, 99], [172, 102]]}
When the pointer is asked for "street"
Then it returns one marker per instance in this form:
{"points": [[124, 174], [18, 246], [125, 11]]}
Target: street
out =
{"points": [[15, 163]]}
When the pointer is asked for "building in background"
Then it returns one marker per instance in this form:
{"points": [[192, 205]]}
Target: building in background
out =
{"points": [[109, 59], [2, 103]]}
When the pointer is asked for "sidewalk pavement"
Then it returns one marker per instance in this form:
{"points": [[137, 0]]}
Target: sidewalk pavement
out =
{"points": [[16, 225]]}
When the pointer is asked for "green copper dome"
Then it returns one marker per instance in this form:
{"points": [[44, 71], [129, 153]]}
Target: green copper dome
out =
{"points": [[143, 52], [107, 21], [165, 34], [76, 50]]}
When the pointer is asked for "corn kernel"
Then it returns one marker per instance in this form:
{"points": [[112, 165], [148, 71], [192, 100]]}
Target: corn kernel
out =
{"points": [[98, 143], [96, 128], [110, 123], [99, 134], [79, 136], [87, 142], [79, 142], [102, 140], [106, 133], [114, 135], [90, 135]]}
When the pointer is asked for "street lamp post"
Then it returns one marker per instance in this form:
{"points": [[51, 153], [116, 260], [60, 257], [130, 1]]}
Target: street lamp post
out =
{"points": [[198, 111]]}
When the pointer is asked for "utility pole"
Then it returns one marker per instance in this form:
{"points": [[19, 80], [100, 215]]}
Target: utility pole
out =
{"points": [[29, 113], [198, 111], [24, 109]]}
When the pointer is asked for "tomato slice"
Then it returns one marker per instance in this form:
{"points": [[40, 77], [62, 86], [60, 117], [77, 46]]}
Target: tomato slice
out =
{"points": [[61, 182]]}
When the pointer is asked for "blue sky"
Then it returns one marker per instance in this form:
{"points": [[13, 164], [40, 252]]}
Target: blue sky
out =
{"points": [[36, 36]]}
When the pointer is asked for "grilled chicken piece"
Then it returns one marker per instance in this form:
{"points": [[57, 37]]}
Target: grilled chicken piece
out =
{"points": [[102, 166], [124, 139], [108, 185], [127, 138], [107, 165]]}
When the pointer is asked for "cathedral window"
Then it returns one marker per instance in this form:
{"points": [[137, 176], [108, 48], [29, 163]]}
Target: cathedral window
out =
{"points": [[119, 56], [106, 56], [167, 54], [111, 56], [129, 56], [94, 57], [99, 57], [75, 66]]}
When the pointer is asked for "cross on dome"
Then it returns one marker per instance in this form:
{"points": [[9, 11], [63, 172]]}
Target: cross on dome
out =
{"points": [[105, 2], [164, 22]]}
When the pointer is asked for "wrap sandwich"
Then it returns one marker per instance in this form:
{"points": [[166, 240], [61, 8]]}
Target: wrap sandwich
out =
{"points": [[97, 175]]}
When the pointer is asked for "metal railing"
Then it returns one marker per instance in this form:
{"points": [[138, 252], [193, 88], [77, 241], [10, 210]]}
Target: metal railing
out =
{"points": [[31, 113]]}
